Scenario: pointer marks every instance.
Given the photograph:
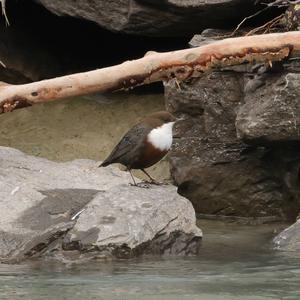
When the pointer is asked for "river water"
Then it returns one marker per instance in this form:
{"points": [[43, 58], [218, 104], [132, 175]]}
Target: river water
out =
{"points": [[236, 261]]}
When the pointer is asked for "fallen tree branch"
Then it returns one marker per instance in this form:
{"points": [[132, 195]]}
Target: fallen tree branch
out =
{"points": [[182, 64]]}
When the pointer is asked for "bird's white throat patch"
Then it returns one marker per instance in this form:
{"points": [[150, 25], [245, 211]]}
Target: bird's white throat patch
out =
{"points": [[161, 137]]}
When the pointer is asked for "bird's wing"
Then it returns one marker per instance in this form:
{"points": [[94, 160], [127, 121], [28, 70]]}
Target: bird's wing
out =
{"points": [[130, 141]]}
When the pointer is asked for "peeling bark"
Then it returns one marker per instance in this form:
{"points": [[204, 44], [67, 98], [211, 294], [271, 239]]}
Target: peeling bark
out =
{"points": [[182, 64]]}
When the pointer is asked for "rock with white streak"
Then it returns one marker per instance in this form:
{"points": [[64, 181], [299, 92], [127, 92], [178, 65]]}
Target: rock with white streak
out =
{"points": [[130, 219], [77, 210]]}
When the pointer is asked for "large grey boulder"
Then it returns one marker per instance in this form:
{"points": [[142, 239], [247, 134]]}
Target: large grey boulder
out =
{"points": [[216, 169], [289, 239], [155, 17], [76, 210]]}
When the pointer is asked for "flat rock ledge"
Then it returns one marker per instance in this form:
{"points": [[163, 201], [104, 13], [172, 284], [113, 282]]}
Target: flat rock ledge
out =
{"points": [[75, 211]]}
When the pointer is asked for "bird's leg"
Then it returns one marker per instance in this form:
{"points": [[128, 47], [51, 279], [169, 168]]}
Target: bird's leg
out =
{"points": [[140, 184], [152, 180], [134, 183]]}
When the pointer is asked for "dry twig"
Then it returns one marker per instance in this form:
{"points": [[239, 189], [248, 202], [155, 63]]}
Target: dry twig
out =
{"points": [[267, 26], [4, 11], [279, 3], [245, 19]]}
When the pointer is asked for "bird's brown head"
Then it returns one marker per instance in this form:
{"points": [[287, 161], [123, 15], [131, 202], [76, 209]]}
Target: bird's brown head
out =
{"points": [[159, 118]]}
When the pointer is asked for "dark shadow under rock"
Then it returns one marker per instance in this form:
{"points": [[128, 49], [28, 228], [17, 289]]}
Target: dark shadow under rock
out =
{"points": [[24, 58], [155, 18]]}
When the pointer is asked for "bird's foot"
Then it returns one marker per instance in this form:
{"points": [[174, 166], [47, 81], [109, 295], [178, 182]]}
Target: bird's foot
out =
{"points": [[154, 182], [142, 184]]}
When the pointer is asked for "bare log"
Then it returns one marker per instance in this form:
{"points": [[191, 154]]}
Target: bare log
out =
{"points": [[181, 64]]}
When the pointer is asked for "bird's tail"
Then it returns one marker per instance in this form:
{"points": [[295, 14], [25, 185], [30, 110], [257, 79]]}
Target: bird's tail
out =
{"points": [[104, 164]]}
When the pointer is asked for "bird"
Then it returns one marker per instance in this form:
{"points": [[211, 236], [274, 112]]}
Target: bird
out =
{"points": [[145, 144]]}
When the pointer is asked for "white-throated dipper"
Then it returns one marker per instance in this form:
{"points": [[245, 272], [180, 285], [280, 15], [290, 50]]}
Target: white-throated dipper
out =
{"points": [[144, 144]]}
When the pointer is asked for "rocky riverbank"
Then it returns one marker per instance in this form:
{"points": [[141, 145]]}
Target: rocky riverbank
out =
{"points": [[236, 154], [75, 210]]}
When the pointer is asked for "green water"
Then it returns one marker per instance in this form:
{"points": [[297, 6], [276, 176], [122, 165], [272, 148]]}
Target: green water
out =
{"points": [[83, 127], [236, 262]]}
